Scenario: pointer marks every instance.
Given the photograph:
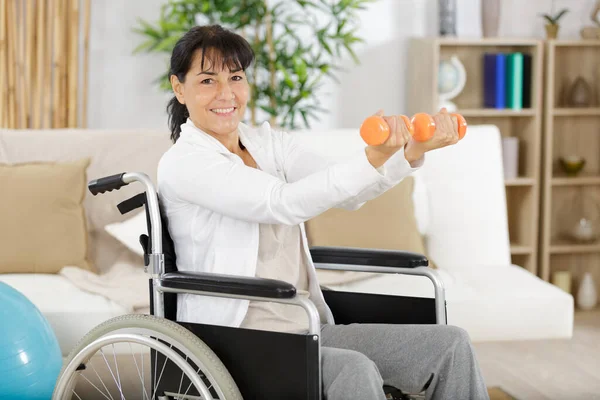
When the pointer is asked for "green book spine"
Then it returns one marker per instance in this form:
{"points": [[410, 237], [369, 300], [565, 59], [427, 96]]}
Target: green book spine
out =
{"points": [[514, 81]]}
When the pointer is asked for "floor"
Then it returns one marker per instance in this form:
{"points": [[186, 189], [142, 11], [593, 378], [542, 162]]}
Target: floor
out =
{"points": [[549, 369]]}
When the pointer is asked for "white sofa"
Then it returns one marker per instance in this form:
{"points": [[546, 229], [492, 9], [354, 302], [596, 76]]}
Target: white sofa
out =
{"points": [[460, 206], [459, 203]]}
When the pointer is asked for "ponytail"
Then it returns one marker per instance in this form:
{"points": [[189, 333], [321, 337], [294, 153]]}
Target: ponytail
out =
{"points": [[178, 114]]}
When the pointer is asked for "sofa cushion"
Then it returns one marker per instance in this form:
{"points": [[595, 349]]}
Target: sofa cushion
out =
{"points": [[468, 220], [491, 304], [128, 232], [111, 152], [338, 144], [43, 218], [386, 222]]}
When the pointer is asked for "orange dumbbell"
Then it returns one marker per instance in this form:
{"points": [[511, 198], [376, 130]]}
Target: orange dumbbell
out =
{"points": [[375, 131]]}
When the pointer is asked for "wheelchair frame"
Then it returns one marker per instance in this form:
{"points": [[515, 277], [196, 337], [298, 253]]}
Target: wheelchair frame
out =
{"points": [[165, 285]]}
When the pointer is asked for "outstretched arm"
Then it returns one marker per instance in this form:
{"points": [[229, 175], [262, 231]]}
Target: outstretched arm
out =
{"points": [[227, 186], [301, 161]]}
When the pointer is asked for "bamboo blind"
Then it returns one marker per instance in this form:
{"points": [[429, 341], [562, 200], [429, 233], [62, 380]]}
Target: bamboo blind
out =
{"points": [[43, 63]]}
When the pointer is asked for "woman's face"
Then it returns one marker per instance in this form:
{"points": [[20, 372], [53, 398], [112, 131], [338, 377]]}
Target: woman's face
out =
{"points": [[216, 98]]}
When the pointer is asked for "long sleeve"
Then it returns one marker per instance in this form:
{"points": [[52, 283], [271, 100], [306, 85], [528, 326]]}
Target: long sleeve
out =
{"points": [[300, 162], [224, 184]]}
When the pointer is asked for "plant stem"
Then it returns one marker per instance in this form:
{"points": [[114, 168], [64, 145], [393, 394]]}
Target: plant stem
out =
{"points": [[269, 36], [254, 86]]}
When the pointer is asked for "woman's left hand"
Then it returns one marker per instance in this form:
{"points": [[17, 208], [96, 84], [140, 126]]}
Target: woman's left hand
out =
{"points": [[446, 134]]}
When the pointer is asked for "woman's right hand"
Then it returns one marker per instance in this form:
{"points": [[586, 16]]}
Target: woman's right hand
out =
{"points": [[399, 136]]}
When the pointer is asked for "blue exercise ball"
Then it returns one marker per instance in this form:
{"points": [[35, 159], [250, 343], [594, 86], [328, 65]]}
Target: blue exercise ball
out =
{"points": [[30, 357]]}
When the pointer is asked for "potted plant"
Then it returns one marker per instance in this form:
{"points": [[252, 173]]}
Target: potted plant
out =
{"points": [[552, 26], [298, 44]]}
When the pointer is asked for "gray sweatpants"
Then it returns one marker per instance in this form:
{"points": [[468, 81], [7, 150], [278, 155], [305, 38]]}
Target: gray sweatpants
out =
{"points": [[358, 359]]}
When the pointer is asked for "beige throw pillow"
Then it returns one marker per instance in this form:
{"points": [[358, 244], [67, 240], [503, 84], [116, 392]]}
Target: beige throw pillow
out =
{"points": [[386, 222], [43, 219]]}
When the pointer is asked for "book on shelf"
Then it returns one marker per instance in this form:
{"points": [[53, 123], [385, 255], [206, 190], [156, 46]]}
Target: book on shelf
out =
{"points": [[507, 80]]}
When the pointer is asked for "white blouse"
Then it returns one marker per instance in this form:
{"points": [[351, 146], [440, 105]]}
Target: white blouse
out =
{"points": [[281, 257], [215, 203]]}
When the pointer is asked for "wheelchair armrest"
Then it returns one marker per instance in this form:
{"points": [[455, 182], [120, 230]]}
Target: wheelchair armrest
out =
{"points": [[228, 284], [370, 257]]}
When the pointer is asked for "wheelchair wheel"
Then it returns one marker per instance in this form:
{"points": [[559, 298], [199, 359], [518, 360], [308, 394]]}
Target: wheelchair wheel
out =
{"points": [[119, 360]]}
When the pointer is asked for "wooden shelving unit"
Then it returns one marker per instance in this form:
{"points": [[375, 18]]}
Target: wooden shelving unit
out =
{"points": [[570, 131], [522, 193]]}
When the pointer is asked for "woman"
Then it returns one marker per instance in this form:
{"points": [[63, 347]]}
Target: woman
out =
{"points": [[237, 198]]}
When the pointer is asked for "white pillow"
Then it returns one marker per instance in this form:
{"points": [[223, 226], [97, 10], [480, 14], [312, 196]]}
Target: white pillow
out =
{"points": [[128, 232], [338, 143], [420, 199], [468, 221]]}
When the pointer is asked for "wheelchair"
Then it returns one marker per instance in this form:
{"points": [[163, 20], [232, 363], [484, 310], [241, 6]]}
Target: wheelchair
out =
{"points": [[201, 361]]}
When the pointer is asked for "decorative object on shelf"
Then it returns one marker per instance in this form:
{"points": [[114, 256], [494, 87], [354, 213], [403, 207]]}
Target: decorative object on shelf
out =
{"points": [[572, 165], [595, 15], [468, 19], [510, 157], [552, 26], [580, 93], [490, 17], [562, 280], [579, 217], [447, 15], [451, 82], [592, 32], [586, 293], [584, 231]]}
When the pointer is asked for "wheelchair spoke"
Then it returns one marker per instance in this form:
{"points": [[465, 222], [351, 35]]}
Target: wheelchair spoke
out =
{"points": [[181, 354], [111, 372], [190, 385], [117, 368], [181, 380], [144, 391], [162, 370], [90, 364], [96, 387], [154, 383]]}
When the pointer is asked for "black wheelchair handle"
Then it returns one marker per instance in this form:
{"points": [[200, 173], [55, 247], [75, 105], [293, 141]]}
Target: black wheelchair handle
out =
{"points": [[107, 184]]}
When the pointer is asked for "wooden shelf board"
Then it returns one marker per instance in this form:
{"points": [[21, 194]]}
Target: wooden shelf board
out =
{"points": [[564, 247], [516, 249], [574, 43], [494, 112], [500, 41], [526, 123], [576, 112], [520, 182], [576, 180]]}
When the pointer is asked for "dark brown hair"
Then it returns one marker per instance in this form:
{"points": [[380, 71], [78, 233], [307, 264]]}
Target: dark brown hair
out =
{"points": [[218, 45]]}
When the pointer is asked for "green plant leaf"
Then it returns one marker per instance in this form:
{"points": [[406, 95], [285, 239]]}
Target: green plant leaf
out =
{"points": [[167, 43], [147, 29], [560, 14], [148, 45], [302, 61]]}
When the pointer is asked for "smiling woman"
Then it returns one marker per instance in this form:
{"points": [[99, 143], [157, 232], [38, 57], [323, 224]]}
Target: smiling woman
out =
{"points": [[236, 198], [209, 81]]}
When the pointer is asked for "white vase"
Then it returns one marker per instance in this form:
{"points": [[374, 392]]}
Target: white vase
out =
{"points": [[490, 17], [510, 157], [586, 294]]}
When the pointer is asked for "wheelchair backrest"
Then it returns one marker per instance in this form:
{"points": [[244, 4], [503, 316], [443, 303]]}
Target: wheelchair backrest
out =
{"points": [[168, 246], [170, 265]]}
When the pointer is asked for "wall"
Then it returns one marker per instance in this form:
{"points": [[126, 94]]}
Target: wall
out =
{"points": [[122, 93]]}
